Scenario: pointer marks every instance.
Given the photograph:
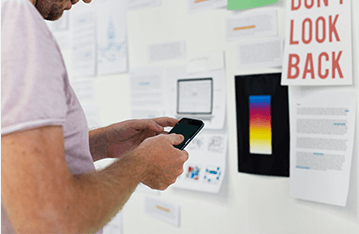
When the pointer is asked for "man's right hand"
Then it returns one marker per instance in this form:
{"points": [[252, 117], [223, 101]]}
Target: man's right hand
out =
{"points": [[162, 163]]}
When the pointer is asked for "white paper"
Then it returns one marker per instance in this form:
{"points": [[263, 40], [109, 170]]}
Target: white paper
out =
{"points": [[204, 5], [321, 52], [216, 119], [260, 53], [137, 4], [115, 226], [167, 51], [147, 95], [163, 210], [204, 170], [83, 59], [111, 37], [206, 62], [322, 123], [251, 24]]}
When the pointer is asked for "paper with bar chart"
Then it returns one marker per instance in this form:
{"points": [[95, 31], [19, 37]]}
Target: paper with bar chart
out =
{"points": [[260, 130]]}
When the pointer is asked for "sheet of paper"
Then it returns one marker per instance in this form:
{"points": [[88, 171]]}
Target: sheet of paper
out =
{"points": [[322, 123], [111, 34], [260, 53], [251, 24], [216, 119], [83, 59], [195, 6], [137, 4], [206, 62], [115, 225], [204, 170], [318, 49], [61, 30], [147, 92], [167, 51], [164, 210], [246, 4]]}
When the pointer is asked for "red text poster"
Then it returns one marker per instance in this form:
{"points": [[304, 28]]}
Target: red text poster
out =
{"points": [[318, 47]]}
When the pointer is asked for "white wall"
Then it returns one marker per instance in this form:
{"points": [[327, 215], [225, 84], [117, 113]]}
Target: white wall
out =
{"points": [[246, 203]]}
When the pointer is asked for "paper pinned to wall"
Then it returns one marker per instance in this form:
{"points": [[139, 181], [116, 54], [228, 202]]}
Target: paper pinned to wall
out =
{"points": [[246, 4], [137, 4], [111, 37], [206, 62], [252, 24], [204, 5], [204, 170], [164, 210], [147, 95], [318, 49], [83, 59], [167, 51], [213, 120], [260, 53], [322, 137]]}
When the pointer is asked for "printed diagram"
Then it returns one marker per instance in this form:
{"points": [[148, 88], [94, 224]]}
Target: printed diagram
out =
{"points": [[193, 173], [114, 50], [212, 175], [216, 144], [197, 143]]}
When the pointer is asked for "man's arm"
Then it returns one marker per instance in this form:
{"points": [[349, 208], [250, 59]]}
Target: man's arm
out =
{"points": [[41, 195], [114, 140]]}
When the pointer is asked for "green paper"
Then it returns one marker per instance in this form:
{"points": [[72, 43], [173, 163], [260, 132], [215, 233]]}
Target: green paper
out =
{"points": [[246, 4]]}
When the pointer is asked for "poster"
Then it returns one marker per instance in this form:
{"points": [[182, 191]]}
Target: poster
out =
{"points": [[262, 124], [318, 49]]}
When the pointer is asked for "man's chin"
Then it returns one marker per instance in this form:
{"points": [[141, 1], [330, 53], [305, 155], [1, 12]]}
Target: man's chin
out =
{"points": [[53, 17]]}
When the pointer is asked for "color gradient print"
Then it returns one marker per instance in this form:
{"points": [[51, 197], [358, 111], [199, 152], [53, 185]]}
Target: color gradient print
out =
{"points": [[260, 129]]}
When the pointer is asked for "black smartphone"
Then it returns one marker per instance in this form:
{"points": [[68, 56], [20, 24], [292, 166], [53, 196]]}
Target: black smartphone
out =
{"points": [[188, 128]]}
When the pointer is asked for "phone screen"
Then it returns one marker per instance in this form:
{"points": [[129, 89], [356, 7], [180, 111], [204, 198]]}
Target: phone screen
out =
{"points": [[188, 128]]}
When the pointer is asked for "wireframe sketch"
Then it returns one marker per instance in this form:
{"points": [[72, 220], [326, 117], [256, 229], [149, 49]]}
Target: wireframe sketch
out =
{"points": [[212, 174], [216, 144], [192, 172], [114, 50]]}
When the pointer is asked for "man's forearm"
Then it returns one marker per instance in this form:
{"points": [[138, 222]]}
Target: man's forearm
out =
{"points": [[98, 143], [96, 197]]}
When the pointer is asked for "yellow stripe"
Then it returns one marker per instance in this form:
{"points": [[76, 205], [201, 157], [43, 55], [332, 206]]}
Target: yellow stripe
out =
{"points": [[162, 208], [245, 27]]}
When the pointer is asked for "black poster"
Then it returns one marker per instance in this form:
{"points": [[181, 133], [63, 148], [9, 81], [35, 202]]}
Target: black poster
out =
{"points": [[262, 124]]}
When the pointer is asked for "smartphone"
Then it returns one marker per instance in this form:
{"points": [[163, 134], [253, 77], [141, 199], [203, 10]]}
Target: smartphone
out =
{"points": [[188, 128]]}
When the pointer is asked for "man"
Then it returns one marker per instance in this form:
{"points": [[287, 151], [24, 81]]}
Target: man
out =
{"points": [[48, 181]]}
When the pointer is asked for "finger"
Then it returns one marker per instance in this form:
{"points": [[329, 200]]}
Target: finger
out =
{"points": [[166, 121], [175, 139], [86, 1], [147, 124]]}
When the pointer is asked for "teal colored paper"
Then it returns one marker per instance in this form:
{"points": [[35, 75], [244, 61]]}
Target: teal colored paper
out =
{"points": [[246, 4]]}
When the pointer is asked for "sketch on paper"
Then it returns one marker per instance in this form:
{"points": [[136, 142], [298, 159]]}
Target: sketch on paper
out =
{"points": [[212, 175], [114, 50], [192, 172], [216, 144]]}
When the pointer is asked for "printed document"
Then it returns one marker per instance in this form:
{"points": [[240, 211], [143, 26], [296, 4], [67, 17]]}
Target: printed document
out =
{"points": [[322, 123]]}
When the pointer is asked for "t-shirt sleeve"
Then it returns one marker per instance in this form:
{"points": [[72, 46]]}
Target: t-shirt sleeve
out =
{"points": [[32, 71]]}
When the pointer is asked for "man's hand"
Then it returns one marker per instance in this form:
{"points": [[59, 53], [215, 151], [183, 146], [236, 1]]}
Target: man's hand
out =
{"points": [[162, 163], [116, 139]]}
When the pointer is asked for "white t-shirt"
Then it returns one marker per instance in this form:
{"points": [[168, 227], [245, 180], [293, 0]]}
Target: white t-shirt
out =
{"points": [[35, 89]]}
